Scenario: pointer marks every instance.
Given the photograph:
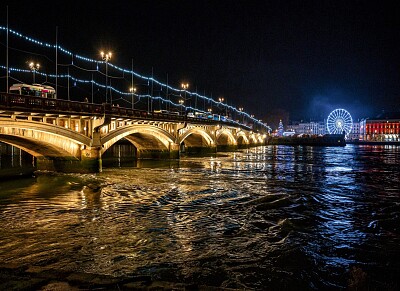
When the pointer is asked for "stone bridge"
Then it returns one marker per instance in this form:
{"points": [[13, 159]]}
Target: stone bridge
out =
{"points": [[72, 136]]}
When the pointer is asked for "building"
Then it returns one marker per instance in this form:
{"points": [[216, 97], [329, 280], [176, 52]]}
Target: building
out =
{"points": [[311, 128], [385, 127], [355, 132]]}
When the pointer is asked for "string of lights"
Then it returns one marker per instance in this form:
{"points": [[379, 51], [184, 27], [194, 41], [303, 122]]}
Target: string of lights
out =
{"points": [[131, 72]]}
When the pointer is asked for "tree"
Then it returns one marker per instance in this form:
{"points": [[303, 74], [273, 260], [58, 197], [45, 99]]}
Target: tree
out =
{"points": [[280, 128]]}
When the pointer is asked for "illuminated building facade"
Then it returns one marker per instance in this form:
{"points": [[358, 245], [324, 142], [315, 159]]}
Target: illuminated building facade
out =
{"points": [[311, 128], [355, 131], [386, 127]]}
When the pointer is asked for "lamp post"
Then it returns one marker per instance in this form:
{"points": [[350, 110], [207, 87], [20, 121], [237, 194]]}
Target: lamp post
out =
{"points": [[241, 113], [133, 91], [181, 103], [185, 86], [221, 99], [34, 68], [106, 57]]}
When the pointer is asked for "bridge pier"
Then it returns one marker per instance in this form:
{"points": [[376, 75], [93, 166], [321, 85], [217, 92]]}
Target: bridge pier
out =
{"points": [[91, 160]]}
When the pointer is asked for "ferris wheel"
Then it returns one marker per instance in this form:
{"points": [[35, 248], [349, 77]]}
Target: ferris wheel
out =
{"points": [[339, 121]]}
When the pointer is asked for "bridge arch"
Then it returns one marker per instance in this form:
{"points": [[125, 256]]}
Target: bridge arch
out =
{"points": [[253, 139], [42, 139], [149, 140], [242, 139], [197, 137], [225, 137]]}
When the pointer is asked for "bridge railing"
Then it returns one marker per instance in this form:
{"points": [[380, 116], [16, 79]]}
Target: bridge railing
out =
{"points": [[26, 103], [40, 104]]}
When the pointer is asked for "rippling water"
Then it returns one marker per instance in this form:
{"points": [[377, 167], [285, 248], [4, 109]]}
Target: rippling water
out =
{"points": [[270, 217]]}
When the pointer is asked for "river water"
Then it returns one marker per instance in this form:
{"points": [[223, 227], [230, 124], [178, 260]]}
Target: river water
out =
{"points": [[275, 217]]}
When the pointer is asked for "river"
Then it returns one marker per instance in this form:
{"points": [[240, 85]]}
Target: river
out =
{"points": [[274, 217]]}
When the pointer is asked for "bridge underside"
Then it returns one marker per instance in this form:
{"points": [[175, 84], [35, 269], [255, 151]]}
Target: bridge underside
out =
{"points": [[197, 143], [48, 157], [226, 143], [242, 143], [150, 147]]}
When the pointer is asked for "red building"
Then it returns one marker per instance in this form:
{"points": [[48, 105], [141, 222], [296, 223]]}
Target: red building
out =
{"points": [[386, 127]]}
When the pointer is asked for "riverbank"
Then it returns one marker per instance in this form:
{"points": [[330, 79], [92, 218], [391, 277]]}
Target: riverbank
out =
{"points": [[41, 278]]}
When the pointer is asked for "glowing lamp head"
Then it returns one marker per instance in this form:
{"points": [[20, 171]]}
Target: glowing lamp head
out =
{"points": [[33, 66], [105, 56]]}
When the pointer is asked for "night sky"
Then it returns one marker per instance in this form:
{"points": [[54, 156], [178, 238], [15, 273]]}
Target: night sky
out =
{"points": [[287, 59]]}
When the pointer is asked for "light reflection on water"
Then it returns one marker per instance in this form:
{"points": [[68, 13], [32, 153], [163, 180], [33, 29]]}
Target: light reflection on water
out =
{"points": [[272, 217]]}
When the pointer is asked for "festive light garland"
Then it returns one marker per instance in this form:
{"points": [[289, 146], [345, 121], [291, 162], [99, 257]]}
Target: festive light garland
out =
{"points": [[47, 45]]}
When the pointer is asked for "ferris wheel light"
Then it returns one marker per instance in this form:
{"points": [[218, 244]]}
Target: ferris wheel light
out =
{"points": [[339, 121]]}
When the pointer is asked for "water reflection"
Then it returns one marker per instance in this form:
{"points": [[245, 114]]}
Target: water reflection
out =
{"points": [[14, 161], [270, 217]]}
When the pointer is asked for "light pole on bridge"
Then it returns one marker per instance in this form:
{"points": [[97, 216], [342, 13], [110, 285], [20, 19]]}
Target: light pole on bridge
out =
{"points": [[181, 102], [34, 68], [184, 86], [106, 57], [241, 114], [221, 99], [133, 91]]}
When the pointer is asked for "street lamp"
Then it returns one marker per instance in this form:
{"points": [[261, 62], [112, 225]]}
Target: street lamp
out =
{"points": [[133, 91], [34, 68], [184, 87], [106, 57], [221, 99]]}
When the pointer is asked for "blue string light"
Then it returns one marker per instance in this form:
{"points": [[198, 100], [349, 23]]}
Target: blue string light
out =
{"points": [[61, 49]]}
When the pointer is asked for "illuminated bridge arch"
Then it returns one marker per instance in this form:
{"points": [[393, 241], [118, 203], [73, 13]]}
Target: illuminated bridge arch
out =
{"points": [[143, 137], [242, 138], [225, 137], [43, 140], [197, 137], [253, 139]]}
